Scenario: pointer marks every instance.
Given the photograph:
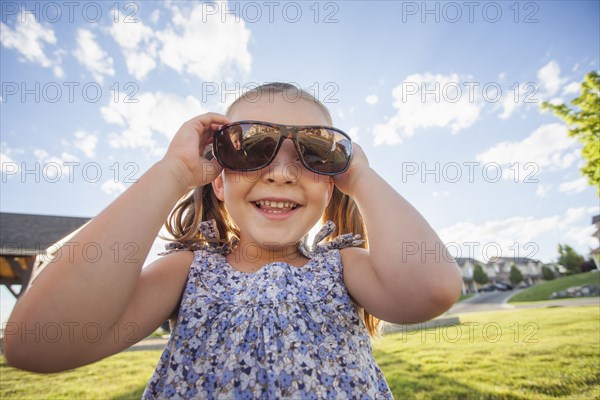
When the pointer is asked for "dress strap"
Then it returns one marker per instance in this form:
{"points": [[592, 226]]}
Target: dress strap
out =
{"points": [[339, 242], [208, 229]]}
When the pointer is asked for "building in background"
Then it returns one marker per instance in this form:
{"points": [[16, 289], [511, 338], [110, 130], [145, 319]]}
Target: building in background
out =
{"points": [[596, 252], [26, 244], [467, 268]]}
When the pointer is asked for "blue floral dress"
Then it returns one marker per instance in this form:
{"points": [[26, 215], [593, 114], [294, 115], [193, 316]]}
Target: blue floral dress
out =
{"points": [[282, 332]]}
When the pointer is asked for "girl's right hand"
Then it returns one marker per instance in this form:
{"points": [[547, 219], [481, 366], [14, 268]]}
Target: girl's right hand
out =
{"points": [[188, 146]]}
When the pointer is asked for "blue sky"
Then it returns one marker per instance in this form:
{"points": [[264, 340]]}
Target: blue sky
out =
{"points": [[443, 96]]}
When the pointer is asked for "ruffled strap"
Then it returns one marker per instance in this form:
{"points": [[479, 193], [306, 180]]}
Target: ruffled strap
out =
{"points": [[209, 230], [339, 242]]}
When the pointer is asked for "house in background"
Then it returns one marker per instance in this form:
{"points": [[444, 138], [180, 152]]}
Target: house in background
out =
{"points": [[467, 268], [596, 252], [498, 269], [24, 243]]}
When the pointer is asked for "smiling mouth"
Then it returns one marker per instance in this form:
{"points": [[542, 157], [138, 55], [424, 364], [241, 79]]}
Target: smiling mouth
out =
{"points": [[276, 206]]}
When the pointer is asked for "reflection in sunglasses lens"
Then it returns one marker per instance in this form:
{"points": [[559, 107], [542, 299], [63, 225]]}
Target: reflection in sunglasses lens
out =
{"points": [[246, 146]]}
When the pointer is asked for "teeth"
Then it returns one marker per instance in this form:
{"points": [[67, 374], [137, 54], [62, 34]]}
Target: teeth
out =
{"points": [[277, 204]]}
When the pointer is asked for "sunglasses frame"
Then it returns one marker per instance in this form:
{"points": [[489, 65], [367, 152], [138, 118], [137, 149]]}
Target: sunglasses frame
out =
{"points": [[285, 132]]}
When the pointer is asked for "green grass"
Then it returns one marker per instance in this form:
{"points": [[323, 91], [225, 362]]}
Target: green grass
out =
{"points": [[465, 296], [122, 376], [543, 291], [546, 353]]}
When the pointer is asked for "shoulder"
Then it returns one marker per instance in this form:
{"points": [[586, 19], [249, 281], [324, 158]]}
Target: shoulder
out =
{"points": [[176, 263], [180, 256], [354, 256]]}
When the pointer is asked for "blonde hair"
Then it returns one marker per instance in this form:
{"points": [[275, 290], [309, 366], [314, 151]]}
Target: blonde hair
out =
{"points": [[201, 203]]}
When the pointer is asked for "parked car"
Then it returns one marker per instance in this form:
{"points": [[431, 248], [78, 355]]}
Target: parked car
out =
{"points": [[507, 286], [493, 287]]}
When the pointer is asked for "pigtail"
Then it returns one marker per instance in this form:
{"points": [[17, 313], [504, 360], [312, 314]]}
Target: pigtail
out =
{"points": [[200, 204], [344, 213]]}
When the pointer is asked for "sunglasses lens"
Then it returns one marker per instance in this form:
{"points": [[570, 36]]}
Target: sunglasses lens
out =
{"points": [[325, 150], [245, 147]]}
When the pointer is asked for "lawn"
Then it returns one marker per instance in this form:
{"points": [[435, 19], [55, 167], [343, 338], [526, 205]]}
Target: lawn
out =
{"points": [[464, 297], [543, 291], [546, 353], [122, 376]]}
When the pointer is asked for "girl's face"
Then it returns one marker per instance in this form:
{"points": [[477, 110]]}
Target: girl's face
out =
{"points": [[277, 205]]}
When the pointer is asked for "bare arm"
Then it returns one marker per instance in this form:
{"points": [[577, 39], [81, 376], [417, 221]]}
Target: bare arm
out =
{"points": [[75, 291], [406, 275]]}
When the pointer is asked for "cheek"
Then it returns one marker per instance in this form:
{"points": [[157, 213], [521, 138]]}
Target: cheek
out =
{"points": [[321, 193]]}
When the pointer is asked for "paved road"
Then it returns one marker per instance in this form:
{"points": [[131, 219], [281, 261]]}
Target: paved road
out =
{"points": [[490, 301]]}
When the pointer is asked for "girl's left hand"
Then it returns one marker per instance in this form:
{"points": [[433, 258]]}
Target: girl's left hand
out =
{"points": [[347, 181]]}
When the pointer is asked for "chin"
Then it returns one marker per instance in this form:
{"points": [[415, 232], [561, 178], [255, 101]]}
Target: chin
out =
{"points": [[277, 239]]}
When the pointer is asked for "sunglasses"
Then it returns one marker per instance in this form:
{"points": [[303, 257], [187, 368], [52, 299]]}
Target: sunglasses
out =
{"points": [[252, 145]]}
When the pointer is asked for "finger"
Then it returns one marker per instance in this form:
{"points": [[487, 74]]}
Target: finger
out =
{"points": [[209, 119], [202, 124]]}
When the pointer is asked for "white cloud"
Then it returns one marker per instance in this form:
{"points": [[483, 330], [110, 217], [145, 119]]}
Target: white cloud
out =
{"points": [[575, 186], [54, 167], [575, 214], [92, 57], [583, 236], [113, 188], [155, 112], [497, 237], [542, 190], [441, 194], [86, 142], [195, 42], [139, 46], [508, 107], [549, 78], [514, 98], [40, 154], [556, 101], [547, 147], [425, 101], [353, 132], [200, 44], [8, 165], [372, 99], [29, 38], [571, 88], [154, 17], [489, 236], [58, 71]]}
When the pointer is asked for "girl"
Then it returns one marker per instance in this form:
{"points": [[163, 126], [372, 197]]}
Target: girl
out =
{"points": [[256, 312]]}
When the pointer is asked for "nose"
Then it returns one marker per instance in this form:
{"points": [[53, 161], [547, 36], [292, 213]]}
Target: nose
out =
{"points": [[286, 167]]}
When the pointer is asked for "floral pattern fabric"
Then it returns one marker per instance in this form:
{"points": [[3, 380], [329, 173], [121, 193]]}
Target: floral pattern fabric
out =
{"points": [[282, 332]]}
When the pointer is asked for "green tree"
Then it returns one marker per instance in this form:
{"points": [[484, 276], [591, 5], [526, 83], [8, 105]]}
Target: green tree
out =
{"points": [[515, 275], [479, 275], [583, 119], [569, 259], [547, 273]]}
